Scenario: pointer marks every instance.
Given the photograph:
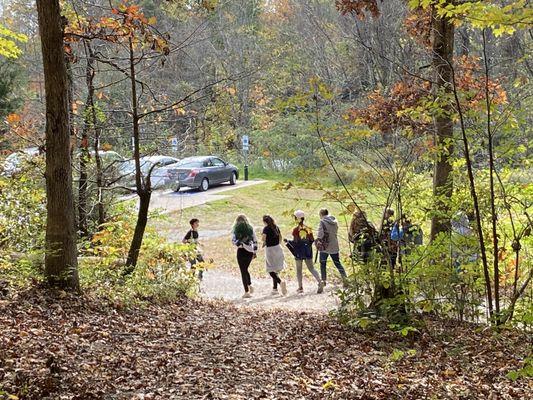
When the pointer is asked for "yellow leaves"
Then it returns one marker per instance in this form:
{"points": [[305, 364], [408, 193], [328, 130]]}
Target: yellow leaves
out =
{"points": [[8, 45], [179, 110], [483, 14], [329, 385]]}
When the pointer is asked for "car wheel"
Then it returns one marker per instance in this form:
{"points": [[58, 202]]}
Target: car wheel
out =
{"points": [[233, 178], [204, 185]]}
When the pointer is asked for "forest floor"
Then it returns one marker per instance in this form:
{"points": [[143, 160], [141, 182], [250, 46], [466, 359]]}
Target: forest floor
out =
{"points": [[64, 347]]}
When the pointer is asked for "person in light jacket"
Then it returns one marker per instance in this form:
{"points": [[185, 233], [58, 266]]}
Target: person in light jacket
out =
{"points": [[327, 234]]}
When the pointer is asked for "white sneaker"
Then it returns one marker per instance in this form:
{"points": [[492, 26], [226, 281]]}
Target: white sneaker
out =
{"points": [[251, 289], [300, 291], [274, 292], [283, 288], [246, 295]]}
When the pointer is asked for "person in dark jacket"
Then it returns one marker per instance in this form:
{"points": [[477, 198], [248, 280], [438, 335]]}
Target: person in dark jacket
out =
{"points": [[302, 249], [363, 235]]}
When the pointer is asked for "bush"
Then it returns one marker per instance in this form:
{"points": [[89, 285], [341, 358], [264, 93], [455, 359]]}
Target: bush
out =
{"points": [[163, 272], [22, 211]]}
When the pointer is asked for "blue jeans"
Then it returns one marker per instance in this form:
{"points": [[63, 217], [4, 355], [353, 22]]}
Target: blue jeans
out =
{"points": [[336, 261]]}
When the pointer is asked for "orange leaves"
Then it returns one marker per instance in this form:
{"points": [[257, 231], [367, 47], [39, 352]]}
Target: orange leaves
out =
{"points": [[384, 114], [410, 105], [358, 7], [472, 84], [418, 25], [124, 22], [13, 119]]}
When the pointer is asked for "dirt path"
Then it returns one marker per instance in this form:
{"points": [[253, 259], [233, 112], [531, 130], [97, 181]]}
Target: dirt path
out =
{"points": [[223, 285]]}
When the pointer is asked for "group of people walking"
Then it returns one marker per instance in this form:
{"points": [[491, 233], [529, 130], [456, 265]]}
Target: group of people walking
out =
{"points": [[362, 233], [300, 246]]}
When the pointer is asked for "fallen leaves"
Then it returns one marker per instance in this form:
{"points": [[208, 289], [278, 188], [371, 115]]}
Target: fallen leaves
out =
{"points": [[75, 348]]}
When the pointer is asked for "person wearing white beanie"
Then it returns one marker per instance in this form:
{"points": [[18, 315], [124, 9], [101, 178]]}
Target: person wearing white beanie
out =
{"points": [[301, 248]]}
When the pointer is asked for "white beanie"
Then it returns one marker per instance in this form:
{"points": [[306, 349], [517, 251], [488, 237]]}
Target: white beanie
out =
{"points": [[299, 214]]}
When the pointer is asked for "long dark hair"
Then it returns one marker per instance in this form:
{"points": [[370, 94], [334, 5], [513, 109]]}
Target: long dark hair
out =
{"points": [[267, 219]]}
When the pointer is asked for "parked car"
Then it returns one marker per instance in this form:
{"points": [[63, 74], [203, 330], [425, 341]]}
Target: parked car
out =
{"points": [[160, 174], [202, 173], [110, 163], [14, 162]]}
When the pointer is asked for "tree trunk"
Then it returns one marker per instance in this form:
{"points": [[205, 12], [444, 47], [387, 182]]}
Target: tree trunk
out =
{"points": [[82, 186], [143, 186], [84, 156], [61, 266], [493, 212], [140, 227], [98, 160], [99, 171], [443, 35]]}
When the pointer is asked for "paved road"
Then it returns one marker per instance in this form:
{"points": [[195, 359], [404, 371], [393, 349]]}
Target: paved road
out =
{"points": [[219, 284], [168, 201]]}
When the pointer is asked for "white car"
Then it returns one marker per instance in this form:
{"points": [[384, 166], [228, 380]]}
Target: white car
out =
{"points": [[160, 176], [13, 162]]}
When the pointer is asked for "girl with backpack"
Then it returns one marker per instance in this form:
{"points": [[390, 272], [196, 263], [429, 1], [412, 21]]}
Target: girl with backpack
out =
{"points": [[246, 242], [301, 248], [274, 257]]}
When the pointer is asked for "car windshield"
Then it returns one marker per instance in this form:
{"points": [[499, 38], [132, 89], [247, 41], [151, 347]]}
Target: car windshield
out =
{"points": [[191, 163]]}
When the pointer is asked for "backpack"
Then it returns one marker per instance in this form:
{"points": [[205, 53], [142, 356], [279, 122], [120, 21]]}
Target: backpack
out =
{"points": [[321, 244], [396, 233]]}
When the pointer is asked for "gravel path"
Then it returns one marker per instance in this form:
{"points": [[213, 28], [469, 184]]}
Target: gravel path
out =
{"points": [[219, 284]]}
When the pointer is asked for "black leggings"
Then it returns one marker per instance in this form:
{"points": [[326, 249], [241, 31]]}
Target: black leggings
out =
{"points": [[276, 279], [244, 258]]}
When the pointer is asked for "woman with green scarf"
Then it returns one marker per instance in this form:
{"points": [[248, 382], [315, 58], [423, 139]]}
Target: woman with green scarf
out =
{"points": [[246, 241]]}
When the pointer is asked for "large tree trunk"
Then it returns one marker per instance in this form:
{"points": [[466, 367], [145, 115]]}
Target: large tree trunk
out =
{"points": [[442, 45], [61, 266]]}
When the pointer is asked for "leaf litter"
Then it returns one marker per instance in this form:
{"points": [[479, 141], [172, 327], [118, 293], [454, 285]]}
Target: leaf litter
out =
{"points": [[66, 347]]}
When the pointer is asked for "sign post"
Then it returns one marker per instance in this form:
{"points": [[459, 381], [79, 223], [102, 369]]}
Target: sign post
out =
{"points": [[174, 142], [245, 149]]}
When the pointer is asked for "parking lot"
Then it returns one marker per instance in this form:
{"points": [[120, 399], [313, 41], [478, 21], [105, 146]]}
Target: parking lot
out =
{"points": [[167, 200]]}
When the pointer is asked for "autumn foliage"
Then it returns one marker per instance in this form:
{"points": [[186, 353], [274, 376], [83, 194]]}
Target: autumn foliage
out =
{"points": [[358, 7], [125, 21], [396, 109]]}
